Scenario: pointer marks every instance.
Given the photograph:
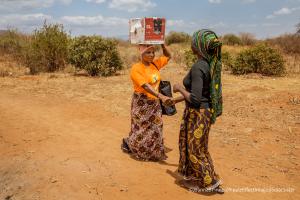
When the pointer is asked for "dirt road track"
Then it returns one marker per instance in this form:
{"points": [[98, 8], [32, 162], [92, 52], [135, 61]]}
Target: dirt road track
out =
{"points": [[53, 147]]}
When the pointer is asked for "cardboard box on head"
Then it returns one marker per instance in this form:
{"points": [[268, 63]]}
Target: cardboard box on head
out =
{"points": [[148, 30]]}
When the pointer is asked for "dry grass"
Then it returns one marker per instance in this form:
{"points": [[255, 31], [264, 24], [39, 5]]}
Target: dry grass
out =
{"points": [[234, 50], [129, 55], [10, 67], [177, 51], [292, 63]]}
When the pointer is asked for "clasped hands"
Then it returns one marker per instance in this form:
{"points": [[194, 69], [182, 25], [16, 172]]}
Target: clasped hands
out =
{"points": [[169, 101]]}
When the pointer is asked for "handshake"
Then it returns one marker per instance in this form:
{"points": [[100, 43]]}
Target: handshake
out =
{"points": [[170, 101]]}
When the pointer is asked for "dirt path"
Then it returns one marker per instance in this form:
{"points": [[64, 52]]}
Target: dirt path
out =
{"points": [[60, 139]]}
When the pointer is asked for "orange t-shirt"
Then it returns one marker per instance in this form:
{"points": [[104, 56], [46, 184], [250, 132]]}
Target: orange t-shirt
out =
{"points": [[141, 74]]}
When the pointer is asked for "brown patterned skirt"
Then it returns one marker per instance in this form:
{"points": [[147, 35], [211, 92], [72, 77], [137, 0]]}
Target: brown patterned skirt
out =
{"points": [[195, 162], [145, 140]]}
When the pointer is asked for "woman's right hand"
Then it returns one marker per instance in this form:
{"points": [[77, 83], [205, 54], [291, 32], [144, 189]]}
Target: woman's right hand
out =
{"points": [[167, 101], [174, 101]]}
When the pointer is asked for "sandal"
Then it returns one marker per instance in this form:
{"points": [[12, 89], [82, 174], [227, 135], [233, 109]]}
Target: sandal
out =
{"points": [[124, 146], [219, 190]]}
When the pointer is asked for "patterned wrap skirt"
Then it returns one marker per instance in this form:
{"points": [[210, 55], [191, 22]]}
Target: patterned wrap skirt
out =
{"points": [[145, 138], [195, 163]]}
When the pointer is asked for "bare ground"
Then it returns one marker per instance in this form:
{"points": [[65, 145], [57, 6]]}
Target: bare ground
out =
{"points": [[60, 139]]}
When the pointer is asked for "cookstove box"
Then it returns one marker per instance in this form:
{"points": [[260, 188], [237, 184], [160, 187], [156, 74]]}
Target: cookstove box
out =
{"points": [[148, 30]]}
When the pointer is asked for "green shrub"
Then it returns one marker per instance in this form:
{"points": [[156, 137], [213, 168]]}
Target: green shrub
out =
{"points": [[12, 42], [259, 59], [48, 49], [177, 37], [98, 56], [231, 39], [227, 60]]}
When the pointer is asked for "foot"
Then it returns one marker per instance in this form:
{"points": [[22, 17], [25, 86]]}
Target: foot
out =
{"points": [[193, 187], [164, 157], [124, 146], [219, 190], [190, 184]]}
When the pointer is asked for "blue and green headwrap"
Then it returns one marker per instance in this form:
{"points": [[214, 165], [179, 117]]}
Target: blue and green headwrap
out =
{"points": [[207, 44]]}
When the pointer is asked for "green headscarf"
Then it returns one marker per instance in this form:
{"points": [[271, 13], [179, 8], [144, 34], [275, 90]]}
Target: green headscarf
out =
{"points": [[207, 44]]}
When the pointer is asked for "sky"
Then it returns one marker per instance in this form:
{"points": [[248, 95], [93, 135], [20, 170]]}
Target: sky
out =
{"points": [[109, 18]]}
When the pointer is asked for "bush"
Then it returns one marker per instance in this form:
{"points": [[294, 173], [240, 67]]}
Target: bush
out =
{"points": [[231, 39], [190, 58], [98, 56], [227, 60], [177, 37], [48, 50], [12, 42], [259, 59], [247, 39], [289, 43]]}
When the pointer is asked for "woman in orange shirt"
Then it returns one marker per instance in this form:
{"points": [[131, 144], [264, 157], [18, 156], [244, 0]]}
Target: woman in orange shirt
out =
{"points": [[145, 139]]}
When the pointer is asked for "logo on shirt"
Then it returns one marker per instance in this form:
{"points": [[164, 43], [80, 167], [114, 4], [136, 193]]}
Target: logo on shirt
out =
{"points": [[154, 78]]}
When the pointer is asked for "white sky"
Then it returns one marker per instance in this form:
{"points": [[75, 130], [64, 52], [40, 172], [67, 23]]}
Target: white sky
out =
{"points": [[263, 18]]}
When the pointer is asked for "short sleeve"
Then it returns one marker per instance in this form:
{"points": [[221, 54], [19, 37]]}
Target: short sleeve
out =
{"points": [[161, 62], [137, 76]]}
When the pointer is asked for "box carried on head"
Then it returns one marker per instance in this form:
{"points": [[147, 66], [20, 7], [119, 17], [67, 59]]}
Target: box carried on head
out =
{"points": [[148, 30]]}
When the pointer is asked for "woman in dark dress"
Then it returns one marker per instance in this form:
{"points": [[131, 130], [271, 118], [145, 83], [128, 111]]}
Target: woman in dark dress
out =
{"points": [[203, 96]]}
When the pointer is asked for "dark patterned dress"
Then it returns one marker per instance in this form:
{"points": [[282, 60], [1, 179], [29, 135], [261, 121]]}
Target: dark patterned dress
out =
{"points": [[195, 162], [145, 139]]}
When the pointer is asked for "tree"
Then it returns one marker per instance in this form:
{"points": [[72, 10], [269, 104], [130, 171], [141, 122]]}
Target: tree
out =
{"points": [[247, 38], [298, 28], [231, 39]]}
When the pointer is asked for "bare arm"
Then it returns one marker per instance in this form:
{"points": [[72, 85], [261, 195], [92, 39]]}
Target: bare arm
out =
{"points": [[166, 100], [185, 94], [178, 99], [166, 52], [150, 89]]}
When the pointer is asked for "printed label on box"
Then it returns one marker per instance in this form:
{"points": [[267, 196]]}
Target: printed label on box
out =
{"points": [[147, 30]]}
